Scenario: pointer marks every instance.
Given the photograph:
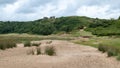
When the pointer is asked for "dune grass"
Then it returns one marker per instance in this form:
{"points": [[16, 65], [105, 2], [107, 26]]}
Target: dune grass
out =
{"points": [[110, 45], [5, 44], [28, 37], [27, 44], [118, 57], [38, 50], [50, 50], [10, 40], [77, 33]]}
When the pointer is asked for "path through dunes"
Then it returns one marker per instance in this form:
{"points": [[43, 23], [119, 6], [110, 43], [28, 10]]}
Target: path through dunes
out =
{"points": [[69, 55]]}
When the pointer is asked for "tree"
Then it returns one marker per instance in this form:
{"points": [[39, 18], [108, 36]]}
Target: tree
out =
{"points": [[119, 18]]}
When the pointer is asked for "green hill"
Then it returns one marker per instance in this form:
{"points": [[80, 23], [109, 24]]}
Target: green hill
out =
{"points": [[47, 26]]}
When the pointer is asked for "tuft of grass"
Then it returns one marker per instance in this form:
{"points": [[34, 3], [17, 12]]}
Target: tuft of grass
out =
{"points": [[118, 57], [38, 50], [27, 44], [50, 50], [112, 52], [2, 46], [77, 33], [102, 48], [6, 44]]}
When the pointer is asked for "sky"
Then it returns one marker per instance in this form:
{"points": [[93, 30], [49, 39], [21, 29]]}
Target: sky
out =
{"points": [[28, 10]]}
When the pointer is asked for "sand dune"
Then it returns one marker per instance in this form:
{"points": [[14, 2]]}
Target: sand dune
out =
{"points": [[69, 55]]}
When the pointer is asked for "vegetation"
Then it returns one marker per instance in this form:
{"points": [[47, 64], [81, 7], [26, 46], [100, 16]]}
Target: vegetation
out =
{"points": [[45, 26], [118, 57], [112, 52], [105, 27], [27, 44], [106, 30], [38, 50], [52, 25], [36, 44], [5, 44], [50, 50], [102, 48]]}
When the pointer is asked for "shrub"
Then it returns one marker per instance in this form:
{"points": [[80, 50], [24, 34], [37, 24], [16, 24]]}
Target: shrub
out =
{"points": [[2, 47], [102, 48], [27, 44], [10, 45], [38, 50], [118, 57], [50, 50], [112, 52], [7, 44]]}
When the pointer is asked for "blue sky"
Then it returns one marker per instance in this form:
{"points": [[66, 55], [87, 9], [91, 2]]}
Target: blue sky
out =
{"points": [[25, 10]]}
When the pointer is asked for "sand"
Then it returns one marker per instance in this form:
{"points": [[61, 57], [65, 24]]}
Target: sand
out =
{"points": [[68, 55]]}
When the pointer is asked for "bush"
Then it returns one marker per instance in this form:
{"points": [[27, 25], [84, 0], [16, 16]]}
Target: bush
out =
{"points": [[38, 50], [27, 44], [50, 50], [2, 47], [6, 44], [102, 48], [118, 57], [112, 52]]}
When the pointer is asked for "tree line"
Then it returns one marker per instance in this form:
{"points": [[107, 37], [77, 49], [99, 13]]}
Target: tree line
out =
{"points": [[47, 26]]}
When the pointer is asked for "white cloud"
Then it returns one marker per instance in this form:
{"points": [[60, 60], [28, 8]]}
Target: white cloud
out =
{"points": [[8, 12], [104, 12], [35, 9]]}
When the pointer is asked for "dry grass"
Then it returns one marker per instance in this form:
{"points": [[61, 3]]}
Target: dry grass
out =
{"points": [[27, 44], [5, 44], [36, 51], [50, 50]]}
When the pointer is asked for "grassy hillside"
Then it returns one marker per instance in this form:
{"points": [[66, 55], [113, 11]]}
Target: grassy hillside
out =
{"points": [[47, 26]]}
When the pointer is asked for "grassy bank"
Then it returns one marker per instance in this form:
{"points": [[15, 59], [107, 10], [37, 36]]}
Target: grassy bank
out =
{"points": [[110, 45], [28, 37], [10, 40], [5, 44]]}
